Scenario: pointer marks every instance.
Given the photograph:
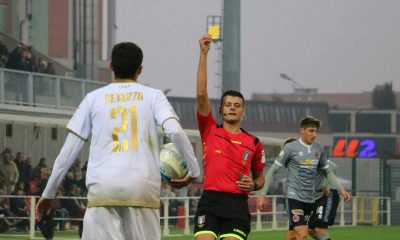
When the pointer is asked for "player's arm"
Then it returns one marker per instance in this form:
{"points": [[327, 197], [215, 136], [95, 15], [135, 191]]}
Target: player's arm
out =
{"points": [[269, 176], [258, 180], [202, 98], [282, 160], [174, 131], [324, 184], [332, 179], [70, 150]]}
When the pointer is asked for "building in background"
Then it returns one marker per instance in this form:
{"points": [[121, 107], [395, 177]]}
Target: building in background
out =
{"points": [[76, 34], [334, 100]]}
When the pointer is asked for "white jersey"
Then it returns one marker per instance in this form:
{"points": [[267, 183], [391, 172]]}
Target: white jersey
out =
{"points": [[123, 167]]}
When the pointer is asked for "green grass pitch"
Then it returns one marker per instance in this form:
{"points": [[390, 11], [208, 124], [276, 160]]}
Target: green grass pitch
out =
{"points": [[336, 233]]}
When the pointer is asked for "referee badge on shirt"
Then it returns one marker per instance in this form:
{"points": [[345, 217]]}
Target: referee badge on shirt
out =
{"points": [[201, 220], [246, 156]]}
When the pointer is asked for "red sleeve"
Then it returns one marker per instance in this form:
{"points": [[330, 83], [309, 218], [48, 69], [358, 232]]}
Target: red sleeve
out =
{"points": [[205, 124], [258, 159]]}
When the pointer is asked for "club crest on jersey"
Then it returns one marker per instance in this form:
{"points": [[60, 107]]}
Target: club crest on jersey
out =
{"points": [[201, 220], [317, 154], [301, 154]]}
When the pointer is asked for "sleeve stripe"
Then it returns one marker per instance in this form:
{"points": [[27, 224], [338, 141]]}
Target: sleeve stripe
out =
{"points": [[278, 163], [79, 136], [162, 124]]}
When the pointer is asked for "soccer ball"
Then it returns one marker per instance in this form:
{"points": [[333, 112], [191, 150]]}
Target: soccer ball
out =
{"points": [[172, 165]]}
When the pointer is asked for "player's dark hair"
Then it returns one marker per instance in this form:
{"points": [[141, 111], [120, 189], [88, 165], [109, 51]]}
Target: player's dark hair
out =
{"points": [[126, 58], [310, 121], [288, 140], [232, 93]]}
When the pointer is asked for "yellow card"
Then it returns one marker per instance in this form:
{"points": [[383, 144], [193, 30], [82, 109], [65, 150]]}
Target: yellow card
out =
{"points": [[213, 30]]}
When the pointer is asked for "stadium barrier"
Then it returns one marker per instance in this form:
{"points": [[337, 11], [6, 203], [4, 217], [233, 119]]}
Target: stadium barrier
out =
{"points": [[177, 213]]}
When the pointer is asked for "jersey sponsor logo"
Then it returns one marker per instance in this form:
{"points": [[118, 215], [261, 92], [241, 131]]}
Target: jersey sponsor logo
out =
{"points": [[310, 162], [301, 154], [296, 218], [201, 220], [298, 211]]}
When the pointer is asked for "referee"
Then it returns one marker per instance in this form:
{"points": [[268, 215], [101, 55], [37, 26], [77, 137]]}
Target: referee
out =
{"points": [[233, 163]]}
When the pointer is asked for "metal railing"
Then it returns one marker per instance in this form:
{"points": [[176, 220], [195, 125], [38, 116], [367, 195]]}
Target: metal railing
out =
{"points": [[43, 90], [177, 213]]}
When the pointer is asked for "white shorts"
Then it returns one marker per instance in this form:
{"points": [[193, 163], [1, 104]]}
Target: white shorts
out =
{"points": [[121, 223]]}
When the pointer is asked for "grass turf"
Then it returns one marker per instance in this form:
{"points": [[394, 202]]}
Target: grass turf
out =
{"points": [[336, 233]]}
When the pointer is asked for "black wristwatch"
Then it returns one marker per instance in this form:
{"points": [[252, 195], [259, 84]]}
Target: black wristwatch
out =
{"points": [[256, 187]]}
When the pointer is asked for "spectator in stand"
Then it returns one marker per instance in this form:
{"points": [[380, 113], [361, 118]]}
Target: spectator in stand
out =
{"points": [[15, 58], [19, 208], [30, 59], [27, 60], [3, 54], [8, 173], [9, 151], [72, 205], [38, 168], [44, 177], [5, 223], [50, 69], [41, 65], [76, 167], [19, 161], [26, 174], [80, 182]]}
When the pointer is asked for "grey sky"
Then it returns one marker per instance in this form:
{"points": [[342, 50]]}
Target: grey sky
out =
{"points": [[335, 46]]}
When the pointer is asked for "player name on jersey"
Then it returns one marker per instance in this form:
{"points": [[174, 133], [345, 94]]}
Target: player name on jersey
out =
{"points": [[124, 97]]}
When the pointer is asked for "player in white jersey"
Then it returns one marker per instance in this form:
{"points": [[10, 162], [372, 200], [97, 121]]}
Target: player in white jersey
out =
{"points": [[123, 175]]}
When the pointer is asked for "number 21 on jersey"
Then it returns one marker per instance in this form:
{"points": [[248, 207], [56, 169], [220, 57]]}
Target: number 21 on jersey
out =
{"points": [[124, 113]]}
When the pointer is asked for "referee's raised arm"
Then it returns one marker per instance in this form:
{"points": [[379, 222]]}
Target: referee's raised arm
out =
{"points": [[203, 101]]}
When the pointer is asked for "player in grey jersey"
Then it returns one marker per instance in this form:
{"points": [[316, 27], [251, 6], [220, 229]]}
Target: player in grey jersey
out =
{"points": [[326, 203], [303, 158]]}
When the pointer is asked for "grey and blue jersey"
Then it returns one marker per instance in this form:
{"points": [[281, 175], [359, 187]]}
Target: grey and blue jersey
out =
{"points": [[302, 161]]}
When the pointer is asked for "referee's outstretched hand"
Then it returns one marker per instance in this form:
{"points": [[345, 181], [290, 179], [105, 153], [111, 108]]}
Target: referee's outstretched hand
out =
{"points": [[205, 42], [183, 182]]}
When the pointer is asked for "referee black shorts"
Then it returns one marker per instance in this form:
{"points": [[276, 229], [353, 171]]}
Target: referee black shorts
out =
{"points": [[222, 215]]}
